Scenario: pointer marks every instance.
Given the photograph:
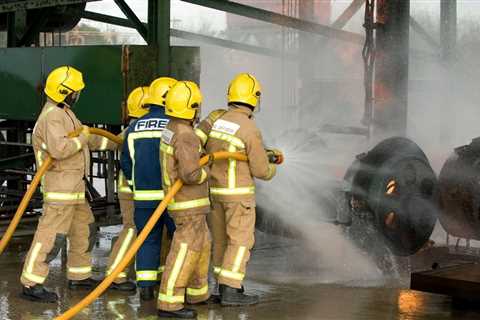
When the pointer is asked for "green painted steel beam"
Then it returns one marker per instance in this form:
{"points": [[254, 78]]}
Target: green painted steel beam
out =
{"points": [[36, 4], [159, 33], [280, 19], [128, 12], [94, 16], [192, 36]]}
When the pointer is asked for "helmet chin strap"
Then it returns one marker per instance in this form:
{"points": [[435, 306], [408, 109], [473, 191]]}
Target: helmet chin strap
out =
{"points": [[196, 118]]}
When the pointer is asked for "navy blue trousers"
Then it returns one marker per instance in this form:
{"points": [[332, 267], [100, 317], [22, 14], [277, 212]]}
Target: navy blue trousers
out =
{"points": [[148, 256]]}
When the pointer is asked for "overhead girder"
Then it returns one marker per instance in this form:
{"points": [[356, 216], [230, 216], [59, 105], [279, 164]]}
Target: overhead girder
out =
{"points": [[280, 19], [190, 36]]}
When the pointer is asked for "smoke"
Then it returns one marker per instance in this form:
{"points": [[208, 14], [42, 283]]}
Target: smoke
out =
{"points": [[319, 82]]}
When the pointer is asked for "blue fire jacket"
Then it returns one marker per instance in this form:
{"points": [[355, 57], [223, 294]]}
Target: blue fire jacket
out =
{"points": [[140, 159]]}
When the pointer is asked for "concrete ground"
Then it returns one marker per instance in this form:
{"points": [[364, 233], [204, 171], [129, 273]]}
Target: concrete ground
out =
{"points": [[295, 281]]}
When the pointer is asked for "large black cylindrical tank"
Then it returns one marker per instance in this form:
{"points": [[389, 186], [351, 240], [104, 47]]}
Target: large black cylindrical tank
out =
{"points": [[459, 183], [58, 19], [394, 187]]}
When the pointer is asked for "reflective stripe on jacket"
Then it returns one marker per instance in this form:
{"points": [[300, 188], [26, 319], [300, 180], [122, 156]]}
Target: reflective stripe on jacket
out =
{"points": [[140, 159], [235, 131], [180, 153]]}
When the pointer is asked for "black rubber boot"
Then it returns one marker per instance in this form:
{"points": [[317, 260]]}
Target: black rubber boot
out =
{"points": [[180, 314], [128, 286], [235, 297], [83, 284], [38, 293], [214, 299], [147, 293]]}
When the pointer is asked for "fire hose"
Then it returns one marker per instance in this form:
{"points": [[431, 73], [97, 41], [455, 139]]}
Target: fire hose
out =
{"points": [[142, 236], [273, 155], [36, 180]]}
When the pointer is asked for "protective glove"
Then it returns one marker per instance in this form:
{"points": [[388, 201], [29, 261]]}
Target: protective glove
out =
{"points": [[275, 156]]}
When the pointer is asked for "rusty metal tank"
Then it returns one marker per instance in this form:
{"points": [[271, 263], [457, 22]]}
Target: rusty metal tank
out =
{"points": [[459, 183], [57, 18], [394, 188]]}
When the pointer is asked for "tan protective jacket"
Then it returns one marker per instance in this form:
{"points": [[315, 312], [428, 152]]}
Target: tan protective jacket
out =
{"points": [[63, 182], [236, 131], [180, 152]]}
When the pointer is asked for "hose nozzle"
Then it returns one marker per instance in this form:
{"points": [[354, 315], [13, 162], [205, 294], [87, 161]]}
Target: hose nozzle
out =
{"points": [[275, 156]]}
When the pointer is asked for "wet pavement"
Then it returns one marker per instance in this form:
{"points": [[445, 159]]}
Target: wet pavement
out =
{"points": [[293, 281]]}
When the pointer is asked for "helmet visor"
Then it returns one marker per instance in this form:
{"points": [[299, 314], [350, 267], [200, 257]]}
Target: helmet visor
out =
{"points": [[72, 99]]}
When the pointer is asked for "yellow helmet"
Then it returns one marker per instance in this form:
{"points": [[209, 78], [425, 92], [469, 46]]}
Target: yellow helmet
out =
{"points": [[62, 82], [136, 100], [245, 89], [183, 100], [158, 90]]}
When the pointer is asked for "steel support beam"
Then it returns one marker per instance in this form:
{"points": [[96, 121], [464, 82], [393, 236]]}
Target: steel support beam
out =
{"points": [[128, 12], [417, 27], [448, 27], [448, 42], [35, 4], [279, 19], [99, 17], [391, 69], [191, 36], [34, 29], [159, 33], [348, 14], [11, 30]]}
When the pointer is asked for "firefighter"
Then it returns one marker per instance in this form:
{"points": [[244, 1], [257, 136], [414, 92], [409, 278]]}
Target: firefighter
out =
{"points": [[126, 237], [232, 186], [186, 269], [140, 163], [66, 215]]}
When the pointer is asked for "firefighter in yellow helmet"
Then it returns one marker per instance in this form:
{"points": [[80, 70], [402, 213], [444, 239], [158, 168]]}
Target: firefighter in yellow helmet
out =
{"points": [[232, 186], [140, 162], [135, 107], [186, 269], [66, 215]]}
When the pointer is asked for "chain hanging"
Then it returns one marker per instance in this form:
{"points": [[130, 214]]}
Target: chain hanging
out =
{"points": [[368, 55]]}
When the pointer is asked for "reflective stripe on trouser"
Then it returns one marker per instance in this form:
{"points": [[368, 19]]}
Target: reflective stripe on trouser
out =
{"points": [[125, 239], [70, 220], [148, 195], [63, 196], [148, 256], [232, 225], [184, 205], [186, 269]]}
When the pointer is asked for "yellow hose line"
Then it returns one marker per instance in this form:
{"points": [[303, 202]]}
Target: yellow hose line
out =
{"points": [[36, 180], [104, 133], [24, 203], [141, 238]]}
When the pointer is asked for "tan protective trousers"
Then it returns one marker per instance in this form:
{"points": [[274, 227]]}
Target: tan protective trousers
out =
{"points": [[125, 239], [232, 225], [186, 269], [58, 223]]}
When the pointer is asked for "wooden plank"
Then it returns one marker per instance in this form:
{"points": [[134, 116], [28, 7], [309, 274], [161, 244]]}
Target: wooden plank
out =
{"points": [[460, 281]]}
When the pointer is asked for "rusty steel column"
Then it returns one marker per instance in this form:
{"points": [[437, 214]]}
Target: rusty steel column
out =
{"points": [[391, 69]]}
